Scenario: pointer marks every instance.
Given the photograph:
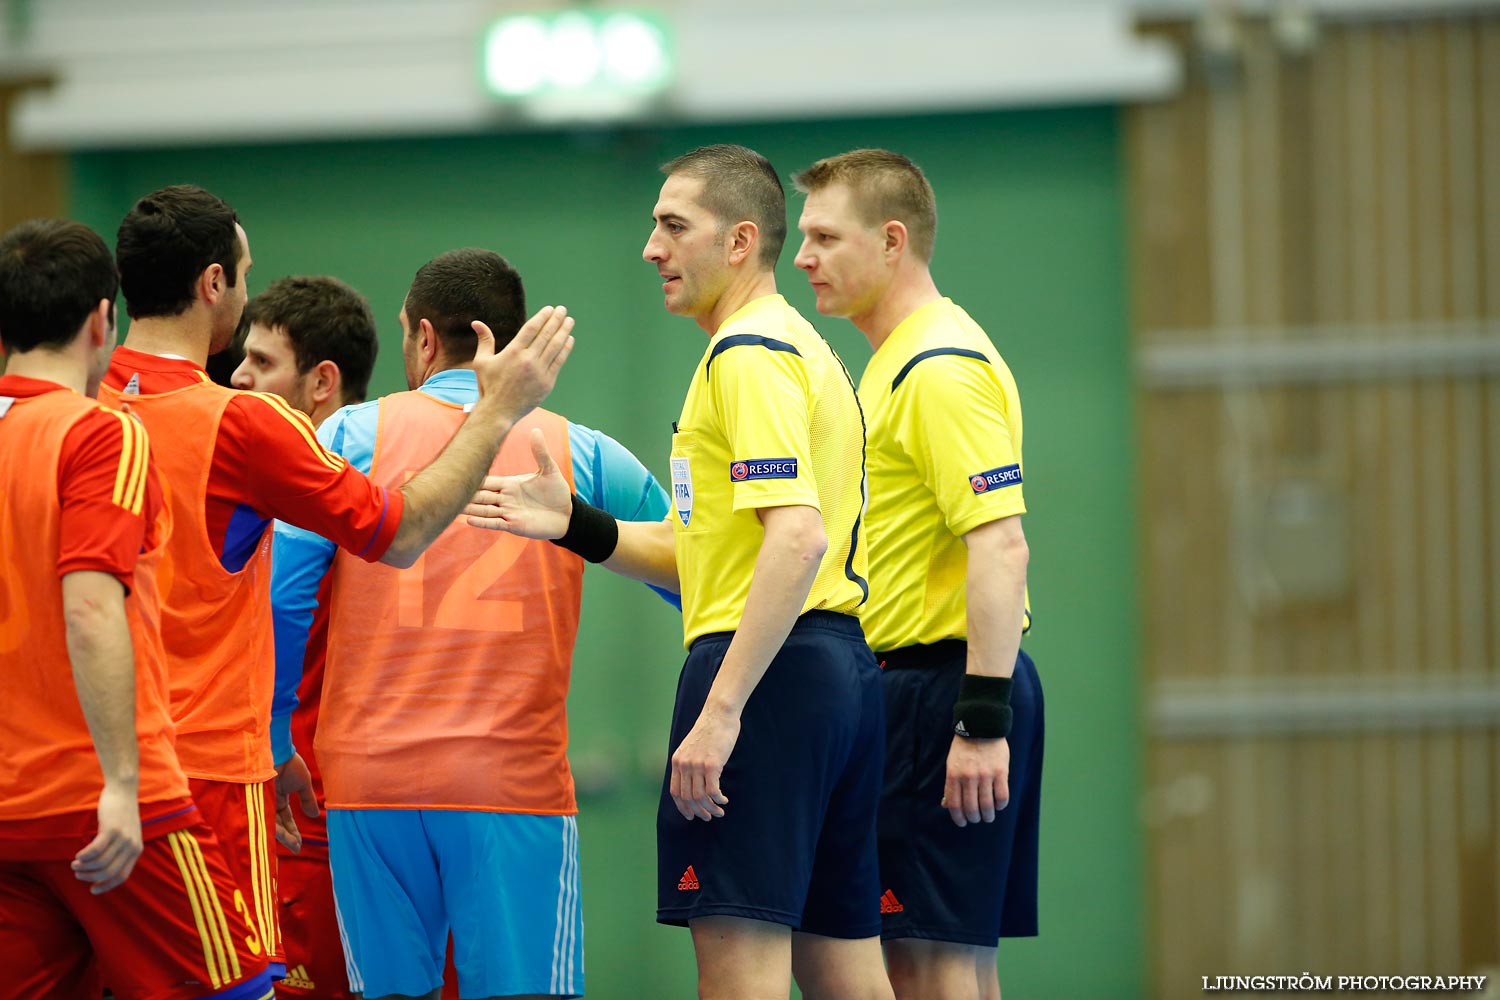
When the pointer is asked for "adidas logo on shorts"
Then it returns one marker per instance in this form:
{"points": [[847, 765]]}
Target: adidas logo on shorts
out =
{"points": [[689, 881], [298, 979], [890, 904]]}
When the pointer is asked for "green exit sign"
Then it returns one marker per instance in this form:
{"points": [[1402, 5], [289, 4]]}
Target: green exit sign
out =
{"points": [[578, 56]]}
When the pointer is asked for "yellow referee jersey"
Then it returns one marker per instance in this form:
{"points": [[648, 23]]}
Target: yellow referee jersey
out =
{"points": [[944, 453], [767, 388]]}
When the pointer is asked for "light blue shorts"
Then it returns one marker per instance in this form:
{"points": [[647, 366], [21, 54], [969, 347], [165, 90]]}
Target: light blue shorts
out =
{"points": [[504, 884]]}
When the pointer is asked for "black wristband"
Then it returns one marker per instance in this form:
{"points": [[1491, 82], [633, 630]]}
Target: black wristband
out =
{"points": [[982, 711], [592, 533]]}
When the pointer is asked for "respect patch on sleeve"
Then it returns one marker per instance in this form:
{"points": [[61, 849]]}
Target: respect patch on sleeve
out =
{"points": [[762, 468], [995, 479]]}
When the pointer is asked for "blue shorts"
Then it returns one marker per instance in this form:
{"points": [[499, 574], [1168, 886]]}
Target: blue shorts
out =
{"points": [[968, 885], [505, 884], [796, 845]]}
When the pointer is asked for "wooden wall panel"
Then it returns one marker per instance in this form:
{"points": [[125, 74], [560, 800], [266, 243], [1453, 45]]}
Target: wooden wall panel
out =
{"points": [[1346, 197], [32, 185]]}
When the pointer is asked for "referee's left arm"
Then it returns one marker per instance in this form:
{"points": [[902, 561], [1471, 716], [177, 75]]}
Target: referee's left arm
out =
{"points": [[977, 785], [995, 592]]}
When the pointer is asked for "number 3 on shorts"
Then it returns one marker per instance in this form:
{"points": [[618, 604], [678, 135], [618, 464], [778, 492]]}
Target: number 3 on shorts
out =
{"points": [[251, 941]]}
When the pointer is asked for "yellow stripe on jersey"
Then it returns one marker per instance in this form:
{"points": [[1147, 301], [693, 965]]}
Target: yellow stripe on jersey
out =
{"points": [[305, 428], [262, 892], [209, 939], [215, 908], [127, 454], [130, 476], [136, 493]]}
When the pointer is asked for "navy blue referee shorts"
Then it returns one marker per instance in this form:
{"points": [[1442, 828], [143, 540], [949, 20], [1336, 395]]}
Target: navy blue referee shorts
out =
{"points": [[797, 842], [967, 885]]}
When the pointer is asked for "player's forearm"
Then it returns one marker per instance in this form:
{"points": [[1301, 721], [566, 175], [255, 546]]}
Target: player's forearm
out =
{"points": [[646, 552], [785, 570], [995, 596], [99, 647], [438, 494]]}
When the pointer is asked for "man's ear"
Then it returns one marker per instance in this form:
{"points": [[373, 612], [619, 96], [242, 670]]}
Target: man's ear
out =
{"points": [[896, 239], [741, 241], [428, 342], [212, 284], [328, 381], [101, 327]]}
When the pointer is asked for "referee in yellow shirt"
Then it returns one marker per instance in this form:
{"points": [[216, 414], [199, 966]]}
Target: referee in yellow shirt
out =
{"points": [[948, 603], [766, 832]]}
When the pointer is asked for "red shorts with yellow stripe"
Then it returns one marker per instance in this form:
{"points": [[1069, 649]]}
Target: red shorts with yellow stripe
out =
{"points": [[170, 932], [244, 819]]}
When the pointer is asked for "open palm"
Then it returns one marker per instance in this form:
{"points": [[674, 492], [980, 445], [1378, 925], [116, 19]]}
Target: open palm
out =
{"points": [[534, 506]]}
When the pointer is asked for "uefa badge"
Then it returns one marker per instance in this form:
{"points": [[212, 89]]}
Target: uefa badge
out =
{"points": [[682, 489], [994, 479], [762, 468]]}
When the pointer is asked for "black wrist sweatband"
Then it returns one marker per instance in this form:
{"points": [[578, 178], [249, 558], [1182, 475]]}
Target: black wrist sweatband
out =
{"points": [[982, 711], [592, 533]]}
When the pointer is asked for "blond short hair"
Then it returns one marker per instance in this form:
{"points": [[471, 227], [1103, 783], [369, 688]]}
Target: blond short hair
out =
{"points": [[886, 186]]}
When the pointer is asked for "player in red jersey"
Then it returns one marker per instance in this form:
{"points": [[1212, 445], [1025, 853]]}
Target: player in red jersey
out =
{"points": [[107, 871]]}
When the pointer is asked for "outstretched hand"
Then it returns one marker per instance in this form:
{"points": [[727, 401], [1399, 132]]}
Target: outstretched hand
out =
{"points": [[534, 506], [520, 377]]}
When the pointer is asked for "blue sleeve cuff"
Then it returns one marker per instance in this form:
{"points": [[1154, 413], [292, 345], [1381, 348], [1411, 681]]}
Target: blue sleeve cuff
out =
{"points": [[282, 749]]}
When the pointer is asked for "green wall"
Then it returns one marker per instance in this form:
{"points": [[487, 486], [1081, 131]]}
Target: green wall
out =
{"points": [[1031, 243]]}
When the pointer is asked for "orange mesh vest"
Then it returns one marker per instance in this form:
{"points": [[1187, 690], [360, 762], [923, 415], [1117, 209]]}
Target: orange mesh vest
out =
{"points": [[446, 684], [215, 625], [47, 761]]}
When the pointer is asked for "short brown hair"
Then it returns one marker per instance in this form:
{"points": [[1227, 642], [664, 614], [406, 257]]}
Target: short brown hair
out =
{"points": [[739, 184], [455, 288], [53, 273], [166, 241], [325, 320], [887, 186]]}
